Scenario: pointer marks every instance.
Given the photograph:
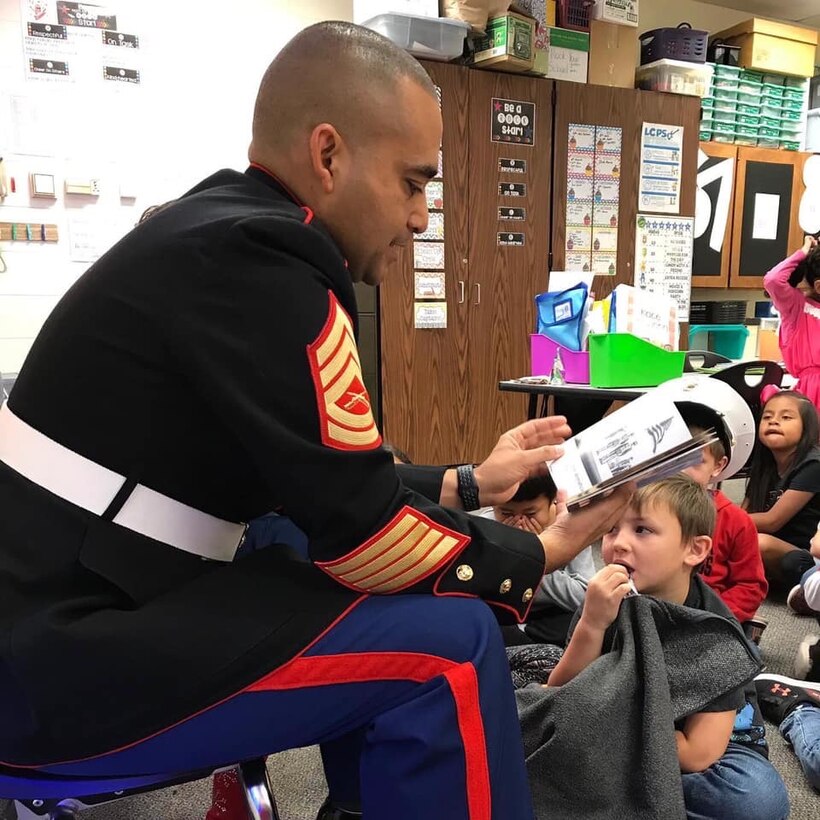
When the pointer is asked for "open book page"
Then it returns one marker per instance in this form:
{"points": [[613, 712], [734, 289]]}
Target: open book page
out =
{"points": [[636, 433]]}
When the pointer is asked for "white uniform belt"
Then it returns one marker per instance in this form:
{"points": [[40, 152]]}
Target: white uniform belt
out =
{"points": [[93, 487]]}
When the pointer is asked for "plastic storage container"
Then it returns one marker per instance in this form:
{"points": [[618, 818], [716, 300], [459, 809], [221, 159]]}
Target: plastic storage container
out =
{"points": [[676, 77], [434, 38], [574, 14], [728, 340], [681, 43], [624, 360], [542, 356]]}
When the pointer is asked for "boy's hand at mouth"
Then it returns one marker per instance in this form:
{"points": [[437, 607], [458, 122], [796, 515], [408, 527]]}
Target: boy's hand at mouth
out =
{"points": [[606, 590]]}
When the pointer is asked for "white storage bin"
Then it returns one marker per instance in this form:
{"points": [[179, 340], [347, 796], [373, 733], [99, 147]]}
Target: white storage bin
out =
{"points": [[813, 130], [676, 77], [434, 38]]}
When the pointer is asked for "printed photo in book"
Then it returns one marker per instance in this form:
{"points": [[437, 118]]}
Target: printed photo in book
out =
{"points": [[644, 441]]}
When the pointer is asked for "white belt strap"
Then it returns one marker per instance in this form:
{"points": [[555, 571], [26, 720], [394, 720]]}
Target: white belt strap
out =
{"points": [[91, 486]]}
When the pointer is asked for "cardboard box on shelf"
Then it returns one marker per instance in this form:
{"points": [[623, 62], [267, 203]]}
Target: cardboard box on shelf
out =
{"points": [[543, 11], [508, 45], [612, 54], [562, 54], [364, 10], [622, 12], [769, 46]]}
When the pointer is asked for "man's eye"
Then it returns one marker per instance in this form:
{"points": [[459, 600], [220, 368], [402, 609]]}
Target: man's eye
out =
{"points": [[414, 188]]}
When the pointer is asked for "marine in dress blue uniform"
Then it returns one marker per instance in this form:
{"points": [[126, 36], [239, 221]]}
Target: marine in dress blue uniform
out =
{"points": [[203, 372]]}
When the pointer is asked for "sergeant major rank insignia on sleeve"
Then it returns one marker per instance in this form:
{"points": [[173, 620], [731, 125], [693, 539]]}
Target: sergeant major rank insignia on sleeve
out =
{"points": [[345, 416]]}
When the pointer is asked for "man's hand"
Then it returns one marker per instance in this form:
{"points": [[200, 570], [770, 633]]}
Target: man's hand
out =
{"points": [[607, 588], [574, 531], [520, 453]]}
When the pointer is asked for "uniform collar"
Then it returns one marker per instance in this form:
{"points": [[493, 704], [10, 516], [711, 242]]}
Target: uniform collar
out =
{"points": [[259, 172]]}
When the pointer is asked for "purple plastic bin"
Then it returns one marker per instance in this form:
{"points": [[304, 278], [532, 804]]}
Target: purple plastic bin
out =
{"points": [[542, 355]]}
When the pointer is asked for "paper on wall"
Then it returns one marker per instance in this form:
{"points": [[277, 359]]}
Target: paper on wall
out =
{"points": [[766, 208], [661, 162], [650, 316]]}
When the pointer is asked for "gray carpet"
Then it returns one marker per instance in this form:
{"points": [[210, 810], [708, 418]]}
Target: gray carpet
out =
{"points": [[299, 783]]}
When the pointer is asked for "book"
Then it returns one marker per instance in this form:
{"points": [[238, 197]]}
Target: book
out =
{"points": [[644, 441]]}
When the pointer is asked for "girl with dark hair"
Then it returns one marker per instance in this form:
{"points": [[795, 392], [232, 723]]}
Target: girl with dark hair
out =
{"points": [[784, 482], [794, 286]]}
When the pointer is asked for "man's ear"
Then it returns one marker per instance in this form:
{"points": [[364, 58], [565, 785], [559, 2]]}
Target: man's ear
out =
{"points": [[325, 147], [698, 550]]}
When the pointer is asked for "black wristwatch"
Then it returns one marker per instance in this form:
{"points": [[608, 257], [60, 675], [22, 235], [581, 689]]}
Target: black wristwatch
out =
{"points": [[467, 487]]}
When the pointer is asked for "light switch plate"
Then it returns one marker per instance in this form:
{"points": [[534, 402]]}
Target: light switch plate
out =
{"points": [[42, 185], [84, 187]]}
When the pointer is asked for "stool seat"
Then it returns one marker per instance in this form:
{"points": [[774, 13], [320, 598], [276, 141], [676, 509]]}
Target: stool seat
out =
{"points": [[31, 784]]}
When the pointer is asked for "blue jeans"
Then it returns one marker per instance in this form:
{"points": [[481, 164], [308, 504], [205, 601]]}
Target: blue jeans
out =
{"points": [[801, 728], [742, 785]]}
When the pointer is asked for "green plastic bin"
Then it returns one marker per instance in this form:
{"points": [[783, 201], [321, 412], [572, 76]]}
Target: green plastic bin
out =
{"points": [[624, 360]]}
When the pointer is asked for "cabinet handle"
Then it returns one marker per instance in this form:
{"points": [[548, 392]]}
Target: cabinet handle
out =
{"points": [[477, 294], [461, 297]]}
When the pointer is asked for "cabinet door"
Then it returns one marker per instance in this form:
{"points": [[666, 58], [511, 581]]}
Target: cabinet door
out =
{"points": [[767, 199], [627, 109], [424, 381], [714, 210], [509, 242]]}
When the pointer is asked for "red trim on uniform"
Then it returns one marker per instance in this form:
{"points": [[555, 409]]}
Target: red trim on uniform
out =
{"points": [[360, 667], [308, 215], [318, 638], [353, 667], [463, 682]]}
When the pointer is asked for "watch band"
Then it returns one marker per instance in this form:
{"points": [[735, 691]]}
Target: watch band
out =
{"points": [[467, 487]]}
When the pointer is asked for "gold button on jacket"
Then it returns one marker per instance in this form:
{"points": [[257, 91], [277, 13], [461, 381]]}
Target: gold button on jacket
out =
{"points": [[464, 572], [506, 586]]}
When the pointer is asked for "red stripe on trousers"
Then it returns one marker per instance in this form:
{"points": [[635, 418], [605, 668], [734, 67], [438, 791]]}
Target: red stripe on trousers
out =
{"points": [[360, 667]]}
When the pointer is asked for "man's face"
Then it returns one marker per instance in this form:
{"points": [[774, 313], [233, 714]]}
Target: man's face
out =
{"points": [[534, 516], [380, 202]]}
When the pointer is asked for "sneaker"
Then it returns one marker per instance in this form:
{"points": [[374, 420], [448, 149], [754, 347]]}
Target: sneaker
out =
{"points": [[777, 695], [796, 602], [754, 628], [807, 662]]}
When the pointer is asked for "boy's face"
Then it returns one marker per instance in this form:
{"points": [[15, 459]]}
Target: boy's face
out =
{"points": [[708, 469], [533, 516], [649, 543]]}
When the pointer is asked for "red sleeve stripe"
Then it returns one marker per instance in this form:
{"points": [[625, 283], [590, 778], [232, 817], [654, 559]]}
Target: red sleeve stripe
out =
{"points": [[409, 548]]}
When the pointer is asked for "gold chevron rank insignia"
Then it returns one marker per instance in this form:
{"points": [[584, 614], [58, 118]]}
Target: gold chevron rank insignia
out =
{"points": [[345, 416], [409, 548]]}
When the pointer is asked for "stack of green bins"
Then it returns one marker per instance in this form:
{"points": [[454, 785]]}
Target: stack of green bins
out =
{"points": [[724, 91], [750, 108], [791, 113]]}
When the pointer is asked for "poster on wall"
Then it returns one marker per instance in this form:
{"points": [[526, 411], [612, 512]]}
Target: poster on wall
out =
{"points": [[713, 208], [663, 257], [65, 42], [593, 197], [661, 161], [430, 315], [512, 121], [429, 284]]}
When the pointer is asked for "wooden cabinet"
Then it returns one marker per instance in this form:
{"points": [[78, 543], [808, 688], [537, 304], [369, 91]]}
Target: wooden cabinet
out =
{"points": [[627, 109], [440, 398], [747, 206], [439, 387]]}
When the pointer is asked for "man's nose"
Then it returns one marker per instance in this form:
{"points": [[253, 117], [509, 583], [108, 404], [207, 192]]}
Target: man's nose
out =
{"points": [[419, 218]]}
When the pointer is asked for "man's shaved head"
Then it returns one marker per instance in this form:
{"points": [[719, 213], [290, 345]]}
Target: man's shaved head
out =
{"points": [[334, 72], [351, 125]]}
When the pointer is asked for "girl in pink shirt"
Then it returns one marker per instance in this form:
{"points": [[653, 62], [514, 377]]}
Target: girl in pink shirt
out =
{"points": [[794, 286]]}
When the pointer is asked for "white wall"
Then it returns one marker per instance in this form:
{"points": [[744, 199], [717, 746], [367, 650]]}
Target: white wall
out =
{"points": [[201, 64]]}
